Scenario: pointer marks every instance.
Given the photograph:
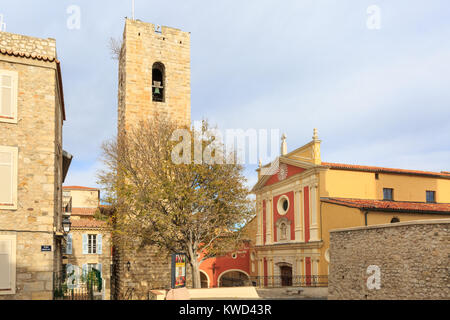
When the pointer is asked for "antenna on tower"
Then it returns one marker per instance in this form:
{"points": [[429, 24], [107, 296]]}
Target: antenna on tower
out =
{"points": [[132, 9]]}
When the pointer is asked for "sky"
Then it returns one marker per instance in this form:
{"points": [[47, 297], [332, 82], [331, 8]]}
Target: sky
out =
{"points": [[374, 83]]}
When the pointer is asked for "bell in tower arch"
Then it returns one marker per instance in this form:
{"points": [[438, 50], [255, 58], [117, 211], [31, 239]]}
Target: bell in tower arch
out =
{"points": [[158, 82]]}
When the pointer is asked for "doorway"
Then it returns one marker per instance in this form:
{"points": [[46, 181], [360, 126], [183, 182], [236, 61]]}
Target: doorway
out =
{"points": [[286, 276]]}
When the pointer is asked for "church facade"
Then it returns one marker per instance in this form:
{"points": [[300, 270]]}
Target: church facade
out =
{"points": [[300, 199]]}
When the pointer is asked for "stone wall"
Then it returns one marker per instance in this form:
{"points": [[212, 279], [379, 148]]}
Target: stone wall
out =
{"points": [[412, 257], [149, 269], [38, 136], [142, 47]]}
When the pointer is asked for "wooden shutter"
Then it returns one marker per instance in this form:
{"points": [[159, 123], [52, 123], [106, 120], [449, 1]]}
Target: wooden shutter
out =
{"points": [[5, 271], [99, 244], [99, 268], [85, 270], [8, 96], [6, 178], [5, 265], [71, 278], [85, 243], [69, 244]]}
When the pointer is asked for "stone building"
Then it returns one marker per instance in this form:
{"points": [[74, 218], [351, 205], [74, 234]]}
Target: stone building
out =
{"points": [[89, 241], [33, 166], [154, 78], [401, 261], [300, 199]]}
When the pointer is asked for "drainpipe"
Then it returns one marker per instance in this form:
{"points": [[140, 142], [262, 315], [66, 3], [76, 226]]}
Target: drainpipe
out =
{"points": [[365, 217]]}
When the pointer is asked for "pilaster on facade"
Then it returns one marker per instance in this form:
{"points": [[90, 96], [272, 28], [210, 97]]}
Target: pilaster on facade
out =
{"points": [[269, 221], [314, 229], [259, 212], [298, 215]]}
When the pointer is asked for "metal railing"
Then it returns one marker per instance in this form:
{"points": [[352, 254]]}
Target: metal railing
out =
{"points": [[66, 287], [289, 281]]}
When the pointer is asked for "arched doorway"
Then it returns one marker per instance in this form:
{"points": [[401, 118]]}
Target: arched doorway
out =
{"points": [[234, 278], [286, 276], [204, 280]]}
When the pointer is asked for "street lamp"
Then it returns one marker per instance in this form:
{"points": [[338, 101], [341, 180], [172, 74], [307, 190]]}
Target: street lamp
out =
{"points": [[66, 225]]}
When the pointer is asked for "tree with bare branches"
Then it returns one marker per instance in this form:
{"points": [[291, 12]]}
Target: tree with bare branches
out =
{"points": [[196, 208]]}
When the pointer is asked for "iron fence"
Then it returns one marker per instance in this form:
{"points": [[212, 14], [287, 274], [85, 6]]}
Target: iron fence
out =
{"points": [[68, 287], [289, 281]]}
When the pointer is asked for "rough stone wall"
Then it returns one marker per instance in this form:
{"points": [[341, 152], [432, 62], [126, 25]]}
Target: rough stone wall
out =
{"points": [[149, 269], [142, 47], [413, 258], [38, 139]]}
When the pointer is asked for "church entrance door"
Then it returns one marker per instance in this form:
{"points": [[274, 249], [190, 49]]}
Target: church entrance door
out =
{"points": [[286, 276]]}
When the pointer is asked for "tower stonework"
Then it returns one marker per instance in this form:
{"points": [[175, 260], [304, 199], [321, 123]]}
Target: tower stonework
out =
{"points": [[154, 78], [151, 53]]}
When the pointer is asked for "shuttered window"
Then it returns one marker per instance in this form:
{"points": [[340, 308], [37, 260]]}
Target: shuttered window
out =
{"points": [[69, 244], [8, 96], [8, 177], [7, 264]]}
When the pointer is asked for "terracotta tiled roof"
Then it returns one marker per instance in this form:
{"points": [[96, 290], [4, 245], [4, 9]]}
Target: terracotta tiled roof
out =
{"points": [[83, 211], [79, 188], [42, 58], [87, 223], [28, 55], [380, 205], [342, 166]]}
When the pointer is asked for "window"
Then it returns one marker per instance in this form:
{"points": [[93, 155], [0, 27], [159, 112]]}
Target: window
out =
{"points": [[158, 73], [92, 243], [8, 96], [283, 205], [8, 178], [395, 220], [7, 264], [431, 196], [88, 267], [388, 194]]}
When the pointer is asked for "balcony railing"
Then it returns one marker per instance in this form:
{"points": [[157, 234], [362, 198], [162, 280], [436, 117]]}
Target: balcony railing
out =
{"points": [[289, 281]]}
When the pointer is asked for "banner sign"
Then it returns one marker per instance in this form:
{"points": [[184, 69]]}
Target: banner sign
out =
{"points": [[178, 270]]}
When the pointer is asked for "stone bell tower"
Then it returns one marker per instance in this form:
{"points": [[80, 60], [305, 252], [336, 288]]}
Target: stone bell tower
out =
{"points": [[154, 78], [154, 74]]}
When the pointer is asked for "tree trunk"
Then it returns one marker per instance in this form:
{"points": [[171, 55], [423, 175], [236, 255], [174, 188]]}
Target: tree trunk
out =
{"points": [[196, 282]]}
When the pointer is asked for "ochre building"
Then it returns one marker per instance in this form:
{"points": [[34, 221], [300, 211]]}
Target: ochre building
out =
{"points": [[89, 241], [300, 199]]}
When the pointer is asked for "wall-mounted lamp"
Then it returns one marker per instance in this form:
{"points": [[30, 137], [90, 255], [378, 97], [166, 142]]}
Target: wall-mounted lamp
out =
{"points": [[128, 265], [66, 225]]}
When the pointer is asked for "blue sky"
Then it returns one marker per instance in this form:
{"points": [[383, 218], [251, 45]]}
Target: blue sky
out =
{"points": [[378, 97]]}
